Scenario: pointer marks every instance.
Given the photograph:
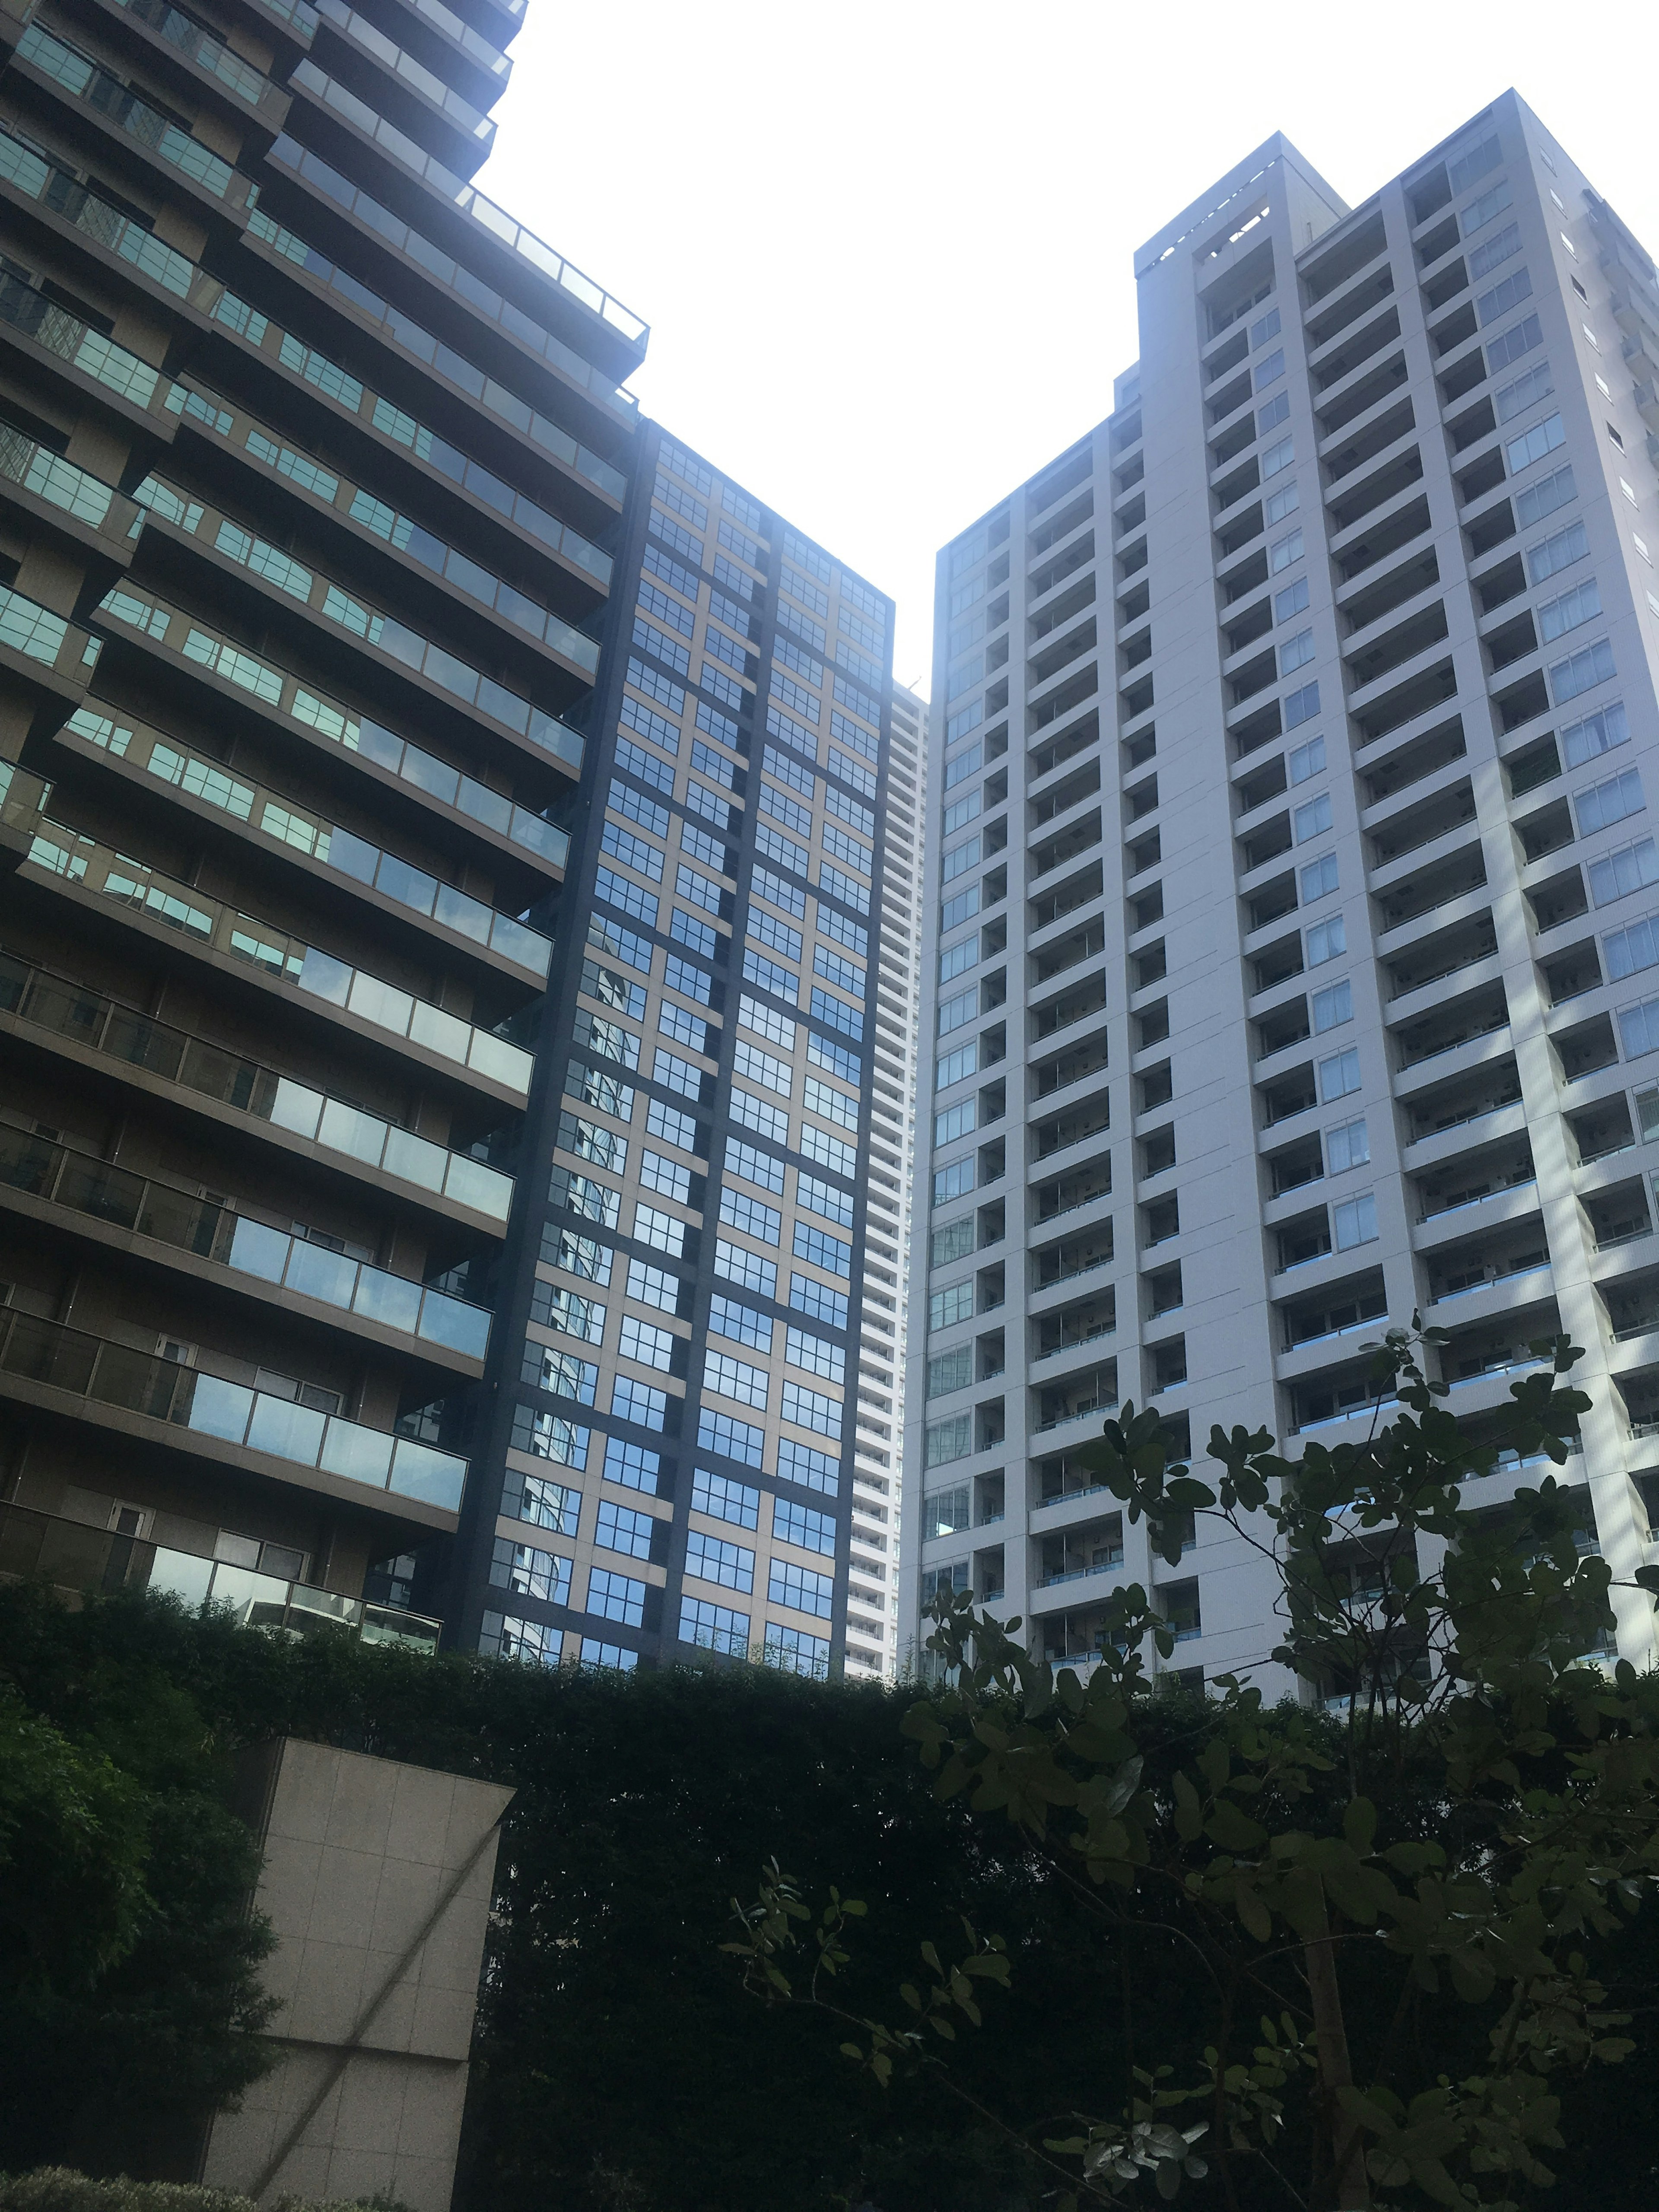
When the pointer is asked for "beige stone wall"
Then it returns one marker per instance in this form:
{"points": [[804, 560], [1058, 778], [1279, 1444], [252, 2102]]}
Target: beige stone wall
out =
{"points": [[377, 1879]]}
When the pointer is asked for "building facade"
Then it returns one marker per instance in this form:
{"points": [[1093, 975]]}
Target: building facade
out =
{"points": [[1290, 880], [675, 1447], [313, 471]]}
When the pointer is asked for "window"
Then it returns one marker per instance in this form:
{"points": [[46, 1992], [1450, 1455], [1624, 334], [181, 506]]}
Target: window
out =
{"points": [[1301, 706], [602, 1091], [1597, 734], [951, 1371], [815, 1355], [1339, 1074], [1582, 672], [1333, 1007], [1327, 940], [1296, 652], [747, 1269], [834, 1105], [633, 852], [813, 1470], [530, 1573], [681, 976], [1557, 615], [1319, 878], [701, 891], [1513, 400], [956, 1121], [1480, 212], [796, 1652], [953, 1181], [1514, 343], [634, 1465], [754, 1165], [592, 1140], [820, 1197], [966, 811], [837, 1014], [948, 1440], [760, 1068], [672, 1126], [561, 1373], [955, 1013], [1628, 868], [822, 1251], [766, 1021], [727, 1317], [1270, 368], [729, 1436], [723, 1499], [954, 1240], [1314, 818], [1557, 552], [1502, 245], [658, 774], [607, 1040], [1355, 1221], [1633, 947], [662, 1232], [810, 1409], [1604, 804], [946, 1307], [1277, 457], [654, 1287], [712, 1559], [1507, 293], [789, 1585], [621, 1530], [734, 1378], [1287, 552], [1544, 497], [685, 1028], [637, 1401], [578, 1256], [1292, 601], [533, 1643], [544, 1504], [1277, 410], [611, 989], [845, 931], [548, 1437], [739, 1211], [844, 974], [1638, 1028], [1347, 1147], [829, 1151], [696, 936], [650, 1345], [571, 1315], [752, 1113], [777, 934], [608, 936], [713, 1627], [615, 1597], [1532, 445], [1306, 761], [817, 1301]]}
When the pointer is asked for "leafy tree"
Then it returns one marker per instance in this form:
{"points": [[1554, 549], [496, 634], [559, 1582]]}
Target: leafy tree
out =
{"points": [[1391, 1923]]}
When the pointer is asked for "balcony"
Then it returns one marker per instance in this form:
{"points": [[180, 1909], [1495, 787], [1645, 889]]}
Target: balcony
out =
{"points": [[1071, 1194], [120, 108], [53, 1175], [135, 388], [1086, 1321], [1091, 1391], [43, 1363], [46, 652], [60, 854], [132, 1041], [294, 833], [474, 130], [207, 61], [71, 1556], [69, 499]]}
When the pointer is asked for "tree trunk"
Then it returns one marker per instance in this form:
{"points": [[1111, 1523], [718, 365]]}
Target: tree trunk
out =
{"points": [[1353, 2187]]}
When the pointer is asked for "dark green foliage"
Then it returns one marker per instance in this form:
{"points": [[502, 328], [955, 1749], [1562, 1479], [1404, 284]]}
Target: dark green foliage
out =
{"points": [[60, 2188]]}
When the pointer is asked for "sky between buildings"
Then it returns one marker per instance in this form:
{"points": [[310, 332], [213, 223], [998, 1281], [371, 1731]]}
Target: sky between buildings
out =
{"points": [[884, 246]]}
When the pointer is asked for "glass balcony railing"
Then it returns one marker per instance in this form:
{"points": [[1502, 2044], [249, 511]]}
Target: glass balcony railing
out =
{"points": [[80, 77], [96, 1024], [500, 226], [35, 469], [206, 52], [402, 330], [400, 531], [369, 38], [298, 15], [37, 634], [59, 850], [74, 1556], [68, 339], [167, 627], [56, 189], [283, 824], [91, 1367], [238, 1241]]}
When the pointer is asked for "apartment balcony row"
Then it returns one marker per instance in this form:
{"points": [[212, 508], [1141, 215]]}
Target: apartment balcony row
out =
{"points": [[171, 1064], [253, 815], [74, 1557], [56, 857], [156, 1402], [58, 1187]]}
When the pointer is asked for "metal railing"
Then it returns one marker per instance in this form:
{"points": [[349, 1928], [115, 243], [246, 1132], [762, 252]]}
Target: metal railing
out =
{"points": [[74, 1556], [63, 852], [227, 1237], [82, 78], [35, 469], [68, 338], [103, 1025], [132, 1382], [205, 51]]}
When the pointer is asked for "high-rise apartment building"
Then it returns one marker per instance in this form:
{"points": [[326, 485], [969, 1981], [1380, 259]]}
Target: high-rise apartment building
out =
{"points": [[676, 1459], [1292, 906], [313, 466]]}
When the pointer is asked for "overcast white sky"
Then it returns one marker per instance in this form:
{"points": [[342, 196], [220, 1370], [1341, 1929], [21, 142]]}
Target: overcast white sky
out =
{"points": [[884, 246]]}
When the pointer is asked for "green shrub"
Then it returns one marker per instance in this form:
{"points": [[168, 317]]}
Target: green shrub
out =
{"points": [[58, 2189]]}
